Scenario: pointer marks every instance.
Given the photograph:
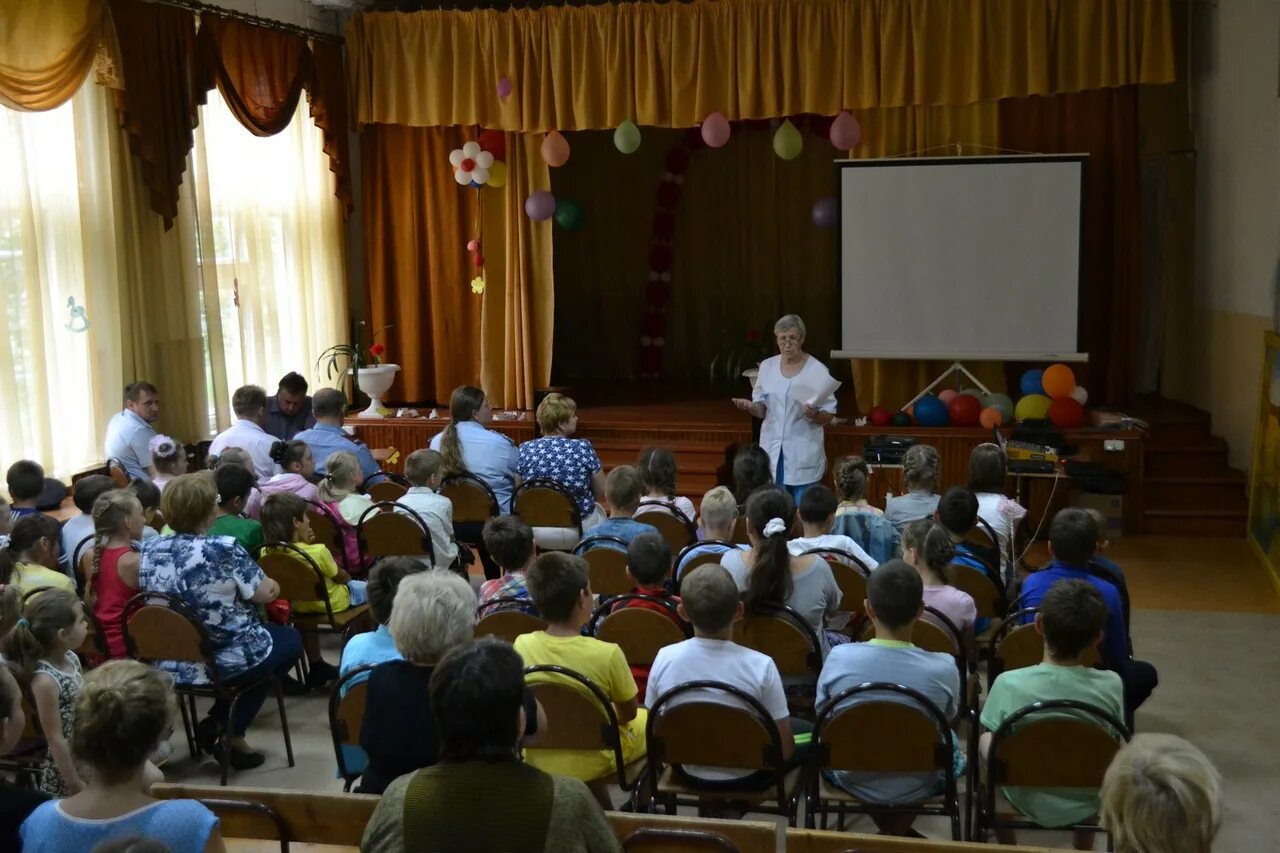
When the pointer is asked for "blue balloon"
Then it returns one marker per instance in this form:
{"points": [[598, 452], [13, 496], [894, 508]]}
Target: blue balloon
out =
{"points": [[931, 412], [1032, 382]]}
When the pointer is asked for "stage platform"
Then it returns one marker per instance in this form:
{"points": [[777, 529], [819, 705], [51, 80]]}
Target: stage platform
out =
{"points": [[705, 432]]}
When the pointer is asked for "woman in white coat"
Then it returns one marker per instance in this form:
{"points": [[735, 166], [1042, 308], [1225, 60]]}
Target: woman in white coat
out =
{"points": [[784, 396]]}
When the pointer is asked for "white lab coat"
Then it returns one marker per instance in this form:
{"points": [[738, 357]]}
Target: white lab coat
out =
{"points": [[786, 430]]}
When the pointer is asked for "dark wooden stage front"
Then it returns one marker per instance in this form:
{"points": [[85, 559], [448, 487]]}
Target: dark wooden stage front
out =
{"points": [[705, 431]]}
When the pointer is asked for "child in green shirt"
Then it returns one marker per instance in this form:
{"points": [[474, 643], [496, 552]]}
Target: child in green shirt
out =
{"points": [[234, 486]]}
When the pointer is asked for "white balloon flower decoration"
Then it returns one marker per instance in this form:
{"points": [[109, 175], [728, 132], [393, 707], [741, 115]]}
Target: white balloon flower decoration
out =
{"points": [[471, 164]]}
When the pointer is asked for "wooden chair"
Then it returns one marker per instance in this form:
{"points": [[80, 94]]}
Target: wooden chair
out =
{"points": [[676, 527], [507, 618], [543, 502], [474, 503], [607, 566], [935, 632], [781, 633], [1061, 743], [882, 728], [707, 733], [116, 471], [389, 529], [740, 530], [585, 718], [160, 627], [346, 715], [1016, 645], [305, 817], [386, 491], [27, 756], [985, 591], [328, 532], [851, 576], [300, 580], [669, 839], [701, 559], [649, 832], [641, 632]]}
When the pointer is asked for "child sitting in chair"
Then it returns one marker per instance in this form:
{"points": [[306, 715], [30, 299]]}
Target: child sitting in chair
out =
{"points": [[422, 470], [717, 515], [817, 517], [649, 565], [623, 488], [509, 542]]}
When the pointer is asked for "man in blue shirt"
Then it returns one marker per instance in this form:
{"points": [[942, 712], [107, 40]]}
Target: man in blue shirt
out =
{"points": [[129, 432], [1072, 540], [289, 409], [327, 437]]}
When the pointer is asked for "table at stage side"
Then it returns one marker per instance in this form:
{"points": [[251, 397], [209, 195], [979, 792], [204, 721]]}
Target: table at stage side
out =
{"points": [[405, 435]]}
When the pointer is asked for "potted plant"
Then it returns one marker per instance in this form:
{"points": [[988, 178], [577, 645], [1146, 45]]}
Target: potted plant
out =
{"points": [[728, 366], [364, 362]]}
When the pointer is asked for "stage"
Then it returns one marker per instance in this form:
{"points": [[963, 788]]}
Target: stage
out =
{"points": [[704, 430]]}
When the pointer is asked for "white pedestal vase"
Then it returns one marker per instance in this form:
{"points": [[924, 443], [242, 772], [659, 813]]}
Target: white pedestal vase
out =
{"points": [[374, 382]]}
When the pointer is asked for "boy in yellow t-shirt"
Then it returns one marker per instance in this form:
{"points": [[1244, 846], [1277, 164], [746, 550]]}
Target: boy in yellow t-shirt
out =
{"points": [[561, 589], [284, 519]]}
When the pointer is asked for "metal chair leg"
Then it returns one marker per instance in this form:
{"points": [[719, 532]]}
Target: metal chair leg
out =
{"points": [[284, 720], [224, 752], [188, 726]]}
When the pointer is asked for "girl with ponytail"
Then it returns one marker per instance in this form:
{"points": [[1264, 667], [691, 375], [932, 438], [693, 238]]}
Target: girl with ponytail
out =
{"points": [[927, 546], [467, 446], [123, 713], [110, 568], [41, 647], [31, 559], [767, 573], [297, 465]]}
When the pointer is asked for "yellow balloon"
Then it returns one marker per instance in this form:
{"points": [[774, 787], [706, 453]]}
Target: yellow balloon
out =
{"points": [[1032, 407], [497, 175], [787, 142]]}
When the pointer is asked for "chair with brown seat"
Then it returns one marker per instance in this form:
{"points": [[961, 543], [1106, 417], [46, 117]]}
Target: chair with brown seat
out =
{"points": [[328, 532], [676, 527], [881, 728], [474, 503], [331, 821], [391, 488], [346, 715], [118, 474], [1061, 743], [1017, 644], [585, 719], [935, 632], [543, 502], [676, 840], [507, 618], [161, 627], [389, 529], [702, 559], [740, 531], [988, 597], [851, 576], [641, 632], [783, 634], [606, 566], [301, 580], [735, 732]]}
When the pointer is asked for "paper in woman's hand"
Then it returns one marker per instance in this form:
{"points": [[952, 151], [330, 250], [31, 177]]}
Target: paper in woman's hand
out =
{"points": [[814, 394]]}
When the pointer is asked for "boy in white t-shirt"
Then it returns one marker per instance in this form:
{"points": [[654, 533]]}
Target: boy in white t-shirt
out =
{"points": [[422, 470], [710, 601], [817, 517]]}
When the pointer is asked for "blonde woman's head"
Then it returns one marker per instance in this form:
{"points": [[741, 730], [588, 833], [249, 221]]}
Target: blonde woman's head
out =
{"points": [[188, 502], [1161, 795], [432, 612], [123, 710]]}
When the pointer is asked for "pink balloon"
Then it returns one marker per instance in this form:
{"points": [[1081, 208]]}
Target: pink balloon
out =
{"points": [[715, 130], [555, 149], [1080, 395], [824, 212], [504, 87], [540, 205], [846, 133], [948, 395]]}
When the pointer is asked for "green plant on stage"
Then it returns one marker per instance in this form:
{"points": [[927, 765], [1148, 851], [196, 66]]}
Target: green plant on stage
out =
{"points": [[735, 357], [340, 362]]}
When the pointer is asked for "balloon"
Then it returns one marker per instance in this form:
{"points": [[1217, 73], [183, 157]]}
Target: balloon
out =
{"points": [[497, 174], [824, 212], [948, 395], [627, 137], [540, 205], [479, 176], [1000, 402], [471, 149], [477, 259], [715, 130], [1066, 413], [1080, 395], [1032, 382], [845, 131], [1032, 407], [1058, 381], [965, 410], [462, 176], [931, 412], [879, 416], [971, 392], [473, 245], [494, 142], [456, 156], [484, 160], [991, 417], [787, 142], [555, 149], [901, 419], [504, 87], [568, 214]]}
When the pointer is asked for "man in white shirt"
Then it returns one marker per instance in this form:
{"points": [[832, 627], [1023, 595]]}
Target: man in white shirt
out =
{"points": [[129, 432], [249, 403]]}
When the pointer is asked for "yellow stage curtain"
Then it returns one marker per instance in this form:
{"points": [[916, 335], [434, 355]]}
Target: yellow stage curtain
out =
{"points": [[671, 64], [46, 49]]}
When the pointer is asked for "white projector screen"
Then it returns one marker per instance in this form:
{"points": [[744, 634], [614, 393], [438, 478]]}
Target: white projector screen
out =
{"points": [[961, 257]]}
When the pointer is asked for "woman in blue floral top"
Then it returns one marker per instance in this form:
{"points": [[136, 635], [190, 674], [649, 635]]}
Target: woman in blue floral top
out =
{"points": [[571, 462], [218, 579]]}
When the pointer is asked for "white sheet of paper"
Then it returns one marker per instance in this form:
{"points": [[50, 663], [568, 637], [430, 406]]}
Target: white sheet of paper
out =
{"points": [[813, 395]]}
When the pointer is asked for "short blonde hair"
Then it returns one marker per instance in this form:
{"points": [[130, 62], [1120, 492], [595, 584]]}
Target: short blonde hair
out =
{"points": [[1161, 795], [433, 612], [342, 466], [718, 508], [188, 501], [421, 466], [554, 412]]}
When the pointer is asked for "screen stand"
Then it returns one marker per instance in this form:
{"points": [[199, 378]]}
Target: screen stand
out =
{"points": [[956, 367]]}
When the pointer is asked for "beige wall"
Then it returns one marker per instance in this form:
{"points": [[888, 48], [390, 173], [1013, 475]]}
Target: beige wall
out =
{"points": [[1235, 65]]}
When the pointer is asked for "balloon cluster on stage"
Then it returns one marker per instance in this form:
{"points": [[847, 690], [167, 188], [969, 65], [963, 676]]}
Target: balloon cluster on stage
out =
{"points": [[1050, 394]]}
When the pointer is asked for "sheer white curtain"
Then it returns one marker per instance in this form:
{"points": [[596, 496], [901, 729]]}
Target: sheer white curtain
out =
{"points": [[271, 238]]}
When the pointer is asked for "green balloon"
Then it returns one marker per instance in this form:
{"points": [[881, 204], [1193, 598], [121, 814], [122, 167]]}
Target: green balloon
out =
{"points": [[787, 142], [568, 214], [901, 419], [627, 137]]}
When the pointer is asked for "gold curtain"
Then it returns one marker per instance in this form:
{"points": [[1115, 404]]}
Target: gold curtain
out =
{"points": [[671, 64], [260, 72], [46, 49], [327, 96]]}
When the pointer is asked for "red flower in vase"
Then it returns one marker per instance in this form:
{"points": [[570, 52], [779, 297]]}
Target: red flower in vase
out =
{"points": [[753, 335], [377, 349]]}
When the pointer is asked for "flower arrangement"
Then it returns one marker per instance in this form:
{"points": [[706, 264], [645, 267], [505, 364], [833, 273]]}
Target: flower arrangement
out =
{"points": [[356, 353], [735, 357]]}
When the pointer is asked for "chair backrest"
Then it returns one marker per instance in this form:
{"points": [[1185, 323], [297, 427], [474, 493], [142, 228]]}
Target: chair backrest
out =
{"points": [[741, 735], [641, 632], [984, 543], [503, 618], [881, 727], [851, 576], [393, 530], [935, 632], [543, 502], [158, 626], [248, 819], [116, 471], [703, 558], [676, 527], [95, 642], [782, 634], [326, 530], [77, 553], [310, 817], [1017, 644], [987, 596], [673, 840], [740, 531], [839, 555], [346, 714], [299, 577], [386, 491], [607, 566], [584, 714], [473, 501], [1062, 743]]}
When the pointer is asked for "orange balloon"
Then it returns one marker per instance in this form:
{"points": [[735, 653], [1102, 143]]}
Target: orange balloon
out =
{"points": [[555, 151], [1058, 381], [991, 417]]}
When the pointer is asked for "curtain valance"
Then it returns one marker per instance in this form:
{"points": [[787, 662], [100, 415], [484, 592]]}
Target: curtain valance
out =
{"points": [[671, 64], [47, 49]]}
